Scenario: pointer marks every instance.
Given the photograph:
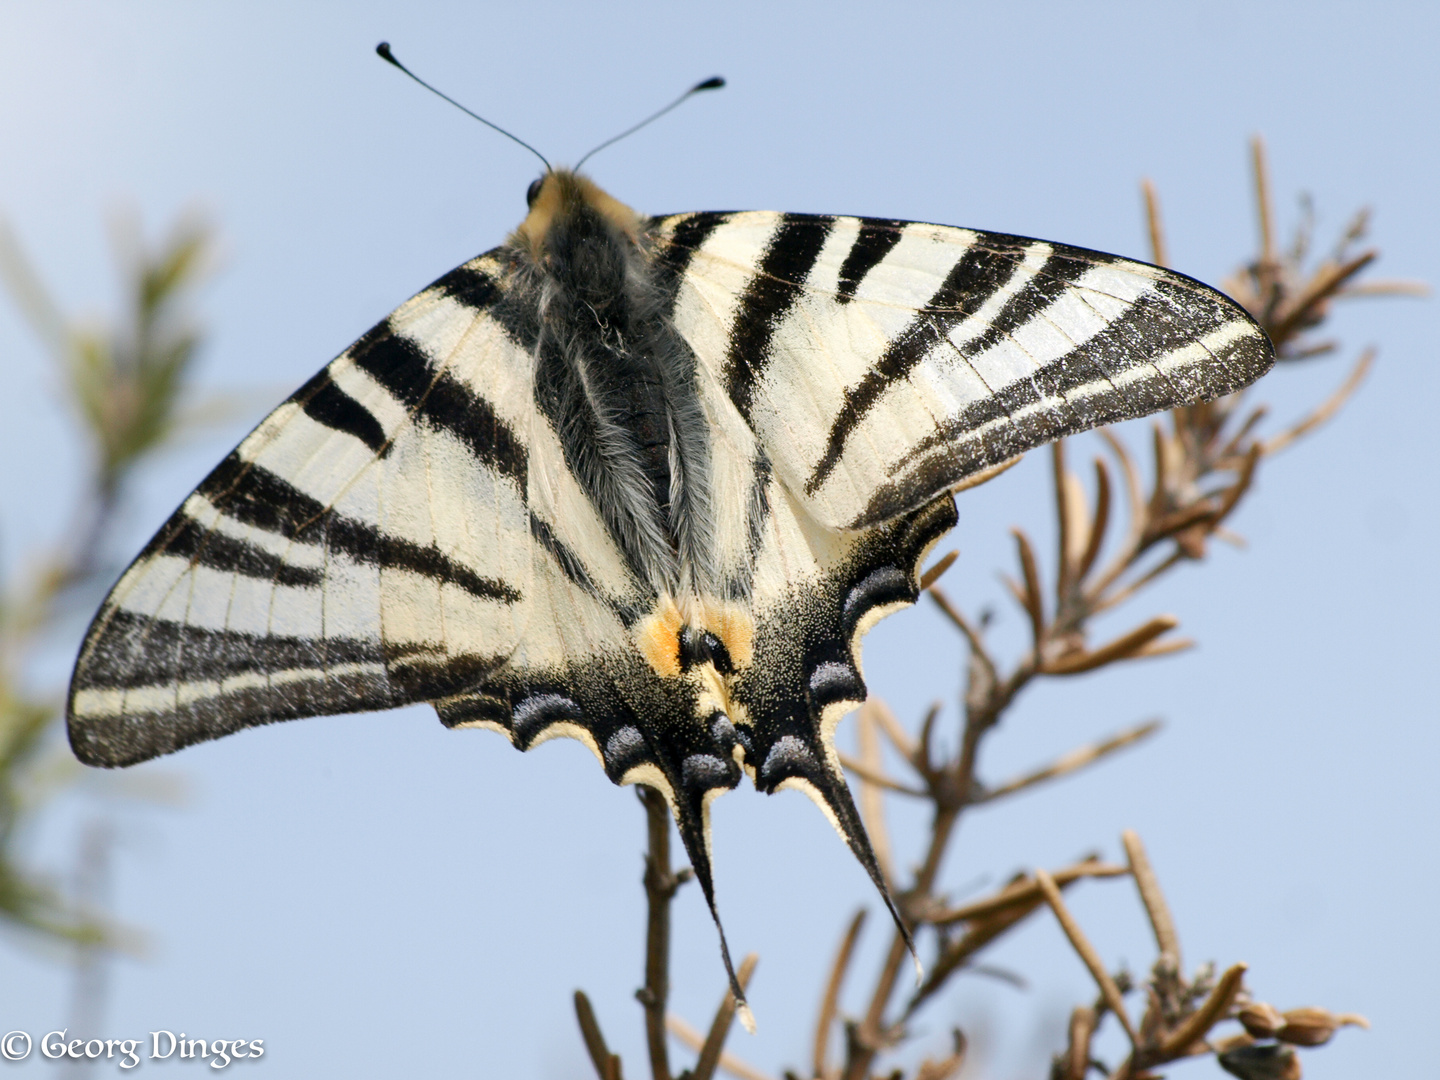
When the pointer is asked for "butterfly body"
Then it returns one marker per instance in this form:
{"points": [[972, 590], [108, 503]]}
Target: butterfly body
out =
{"points": [[644, 482]]}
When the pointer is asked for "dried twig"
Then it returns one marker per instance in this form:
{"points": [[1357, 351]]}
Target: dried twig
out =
{"points": [[872, 798], [607, 1065], [1158, 254], [898, 736], [942, 564], [1328, 408], [660, 886], [1025, 892], [830, 1000], [1155, 906], [1086, 951], [720, 1027], [1073, 761], [1180, 1041], [871, 776], [728, 1062]]}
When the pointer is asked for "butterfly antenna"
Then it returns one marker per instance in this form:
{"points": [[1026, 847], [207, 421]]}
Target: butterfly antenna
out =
{"points": [[383, 49], [715, 82]]}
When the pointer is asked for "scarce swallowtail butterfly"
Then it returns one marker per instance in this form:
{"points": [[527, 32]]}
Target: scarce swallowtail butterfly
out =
{"points": [[640, 481]]}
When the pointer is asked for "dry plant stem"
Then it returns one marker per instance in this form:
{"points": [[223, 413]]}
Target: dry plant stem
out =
{"points": [[867, 1039], [1327, 409], [720, 1026], [1180, 1041], [1071, 762], [988, 919], [1262, 200], [607, 1065], [728, 1062], [898, 736], [1025, 892], [868, 774], [660, 886], [1159, 255], [831, 998], [942, 564], [1082, 1029], [872, 798], [1155, 906], [1086, 952]]}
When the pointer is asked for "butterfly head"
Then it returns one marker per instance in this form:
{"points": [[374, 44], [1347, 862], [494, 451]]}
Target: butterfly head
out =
{"points": [[558, 193]]}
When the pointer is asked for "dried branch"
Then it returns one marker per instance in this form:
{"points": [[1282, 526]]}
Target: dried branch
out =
{"points": [[1086, 951], [1156, 908], [607, 1065], [872, 798], [870, 776], [1099, 523], [1179, 1041], [898, 736], [948, 1066], [1262, 200], [660, 886], [978, 652], [720, 1027], [1076, 1062], [1328, 408], [1025, 892], [1158, 254], [933, 574], [1073, 761], [728, 1062], [1030, 599], [1124, 647], [830, 1000]]}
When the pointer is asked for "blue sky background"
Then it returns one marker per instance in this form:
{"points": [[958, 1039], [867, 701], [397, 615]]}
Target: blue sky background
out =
{"points": [[375, 895]]}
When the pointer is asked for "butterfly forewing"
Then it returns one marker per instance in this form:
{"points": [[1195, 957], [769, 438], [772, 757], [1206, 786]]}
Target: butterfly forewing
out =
{"points": [[365, 547], [881, 362]]}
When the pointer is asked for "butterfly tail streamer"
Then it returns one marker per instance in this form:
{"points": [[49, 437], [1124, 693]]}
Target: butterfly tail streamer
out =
{"points": [[692, 820]]}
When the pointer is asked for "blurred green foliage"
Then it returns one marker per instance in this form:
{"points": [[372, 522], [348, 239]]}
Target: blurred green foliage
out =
{"points": [[126, 378]]}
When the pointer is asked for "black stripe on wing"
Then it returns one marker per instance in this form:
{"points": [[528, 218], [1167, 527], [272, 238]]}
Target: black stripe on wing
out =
{"points": [[778, 282], [197, 684], [876, 240], [674, 252], [980, 273], [209, 547], [1175, 315], [252, 495], [327, 404], [439, 400]]}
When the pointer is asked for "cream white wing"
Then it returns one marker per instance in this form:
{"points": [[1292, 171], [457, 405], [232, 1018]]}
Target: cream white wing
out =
{"points": [[368, 545], [879, 363]]}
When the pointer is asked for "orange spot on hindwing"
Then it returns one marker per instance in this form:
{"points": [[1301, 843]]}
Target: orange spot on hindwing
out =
{"points": [[658, 639]]}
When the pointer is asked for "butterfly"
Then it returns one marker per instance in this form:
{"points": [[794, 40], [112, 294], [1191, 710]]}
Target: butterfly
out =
{"points": [[644, 482]]}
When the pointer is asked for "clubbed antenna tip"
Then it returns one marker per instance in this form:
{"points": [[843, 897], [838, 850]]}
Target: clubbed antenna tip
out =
{"points": [[383, 51], [715, 82]]}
